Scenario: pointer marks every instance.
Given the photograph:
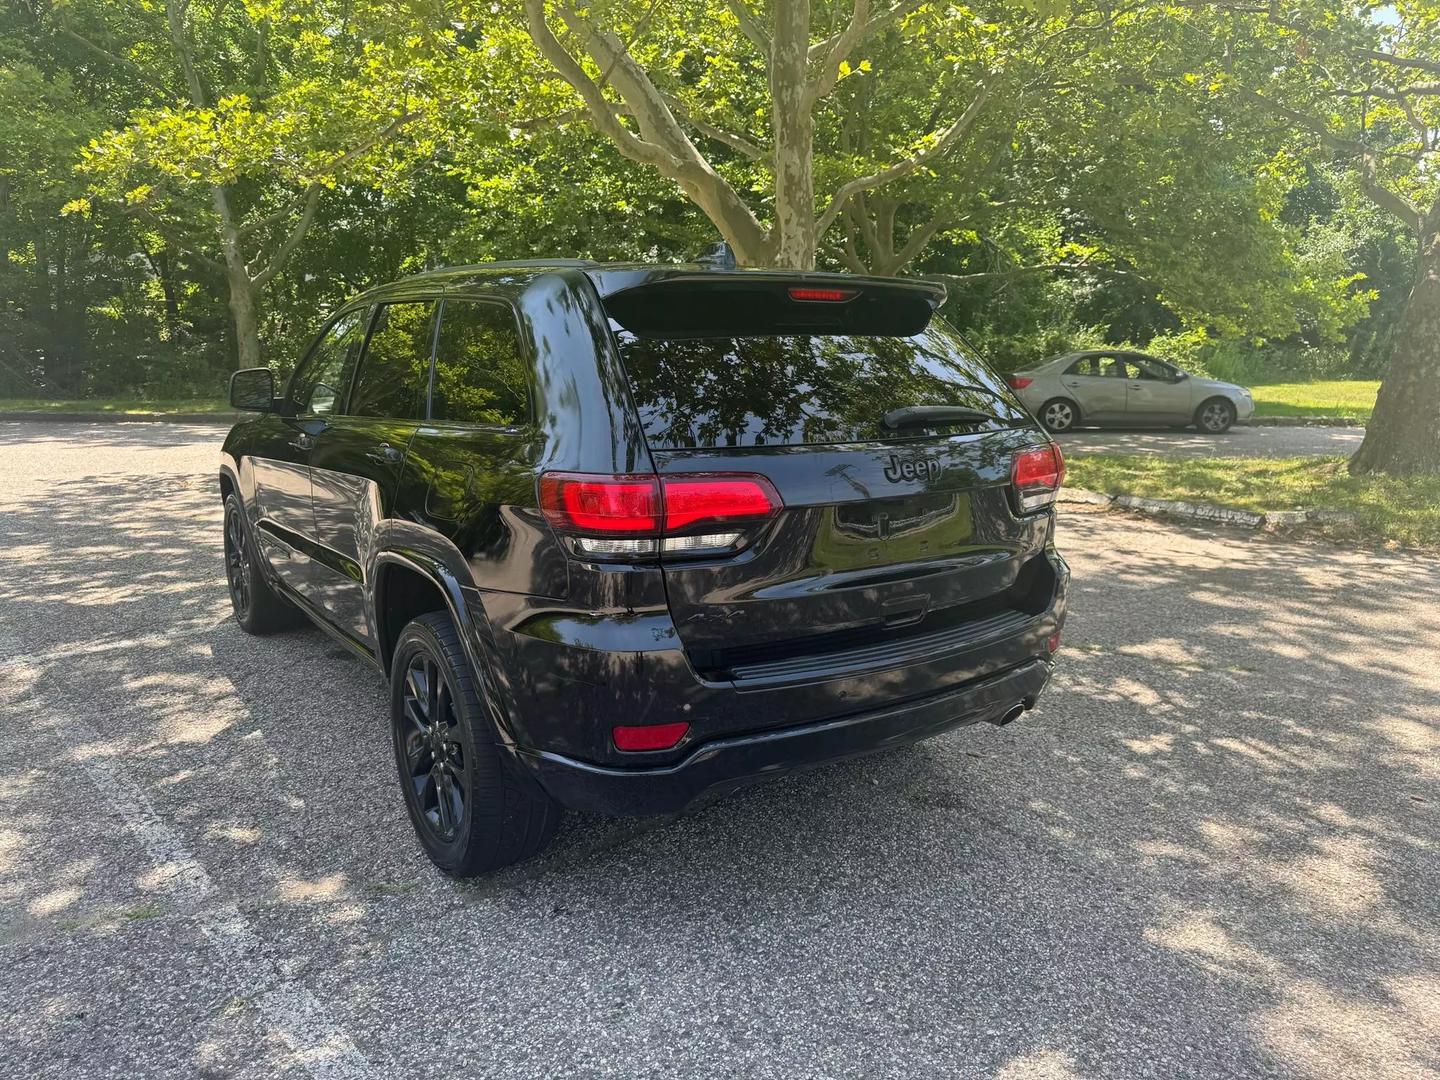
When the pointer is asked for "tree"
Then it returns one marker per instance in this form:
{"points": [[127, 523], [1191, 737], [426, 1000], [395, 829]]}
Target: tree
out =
{"points": [[841, 132], [1362, 87], [74, 293], [648, 119], [256, 111]]}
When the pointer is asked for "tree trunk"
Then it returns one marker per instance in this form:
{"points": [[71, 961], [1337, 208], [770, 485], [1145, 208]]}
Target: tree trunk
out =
{"points": [[165, 271], [44, 312], [242, 287], [794, 138], [1403, 436], [246, 318]]}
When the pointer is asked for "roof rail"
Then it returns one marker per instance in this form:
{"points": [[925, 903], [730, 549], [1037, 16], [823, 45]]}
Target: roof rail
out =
{"points": [[506, 264]]}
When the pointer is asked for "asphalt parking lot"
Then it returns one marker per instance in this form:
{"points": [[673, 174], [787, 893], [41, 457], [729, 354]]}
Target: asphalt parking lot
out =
{"points": [[1211, 852], [1276, 442]]}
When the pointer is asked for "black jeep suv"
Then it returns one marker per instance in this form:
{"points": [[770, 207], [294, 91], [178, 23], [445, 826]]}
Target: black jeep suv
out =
{"points": [[627, 536]]}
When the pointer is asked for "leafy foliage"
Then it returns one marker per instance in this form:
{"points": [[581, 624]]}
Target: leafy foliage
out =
{"points": [[355, 141]]}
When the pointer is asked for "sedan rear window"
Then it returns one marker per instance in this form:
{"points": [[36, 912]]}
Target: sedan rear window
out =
{"points": [[794, 389]]}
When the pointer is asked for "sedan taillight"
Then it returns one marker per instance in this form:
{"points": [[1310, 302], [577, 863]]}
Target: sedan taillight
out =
{"points": [[1019, 382], [637, 517], [1037, 475]]}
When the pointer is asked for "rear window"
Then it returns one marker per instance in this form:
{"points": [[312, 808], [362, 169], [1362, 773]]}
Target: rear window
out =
{"points": [[794, 389]]}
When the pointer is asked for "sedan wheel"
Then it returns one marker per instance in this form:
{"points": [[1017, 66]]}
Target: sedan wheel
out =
{"points": [[1215, 417], [1058, 415]]}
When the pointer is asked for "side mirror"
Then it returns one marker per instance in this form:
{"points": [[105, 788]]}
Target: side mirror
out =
{"points": [[253, 390], [1181, 376]]}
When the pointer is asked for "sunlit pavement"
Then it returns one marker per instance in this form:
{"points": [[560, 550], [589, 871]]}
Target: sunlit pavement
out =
{"points": [[1212, 852], [1274, 442]]}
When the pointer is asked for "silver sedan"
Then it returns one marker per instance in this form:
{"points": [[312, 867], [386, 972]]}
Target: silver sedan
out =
{"points": [[1110, 387]]}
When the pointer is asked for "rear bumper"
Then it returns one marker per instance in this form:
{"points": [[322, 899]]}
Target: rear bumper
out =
{"points": [[724, 765]]}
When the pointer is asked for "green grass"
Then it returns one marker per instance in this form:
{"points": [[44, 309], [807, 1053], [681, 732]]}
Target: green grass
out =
{"points": [[1335, 397], [113, 405], [1389, 509]]}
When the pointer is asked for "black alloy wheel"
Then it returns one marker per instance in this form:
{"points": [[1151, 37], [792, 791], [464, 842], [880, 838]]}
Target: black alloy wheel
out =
{"points": [[259, 609], [237, 563], [434, 749], [472, 807]]}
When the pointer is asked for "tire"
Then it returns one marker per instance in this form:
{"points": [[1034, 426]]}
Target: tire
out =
{"points": [[258, 608], [472, 810], [1215, 417], [1059, 414]]}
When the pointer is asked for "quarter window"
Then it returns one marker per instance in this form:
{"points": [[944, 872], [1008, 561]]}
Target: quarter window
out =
{"points": [[319, 385], [395, 370], [480, 366]]}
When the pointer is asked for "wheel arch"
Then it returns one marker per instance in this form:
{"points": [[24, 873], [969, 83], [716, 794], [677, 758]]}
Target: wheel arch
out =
{"points": [[422, 583], [409, 584]]}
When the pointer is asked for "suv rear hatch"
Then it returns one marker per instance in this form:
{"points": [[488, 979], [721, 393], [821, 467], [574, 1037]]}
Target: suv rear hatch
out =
{"points": [[894, 542]]}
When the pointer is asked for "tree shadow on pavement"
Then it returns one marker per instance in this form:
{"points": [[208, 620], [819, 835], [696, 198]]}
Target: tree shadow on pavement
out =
{"points": [[1212, 850]]}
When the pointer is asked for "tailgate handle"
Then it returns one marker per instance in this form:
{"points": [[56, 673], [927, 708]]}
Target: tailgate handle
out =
{"points": [[904, 611]]}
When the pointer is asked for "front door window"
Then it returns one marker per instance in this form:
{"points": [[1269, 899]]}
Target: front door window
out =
{"points": [[319, 385]]}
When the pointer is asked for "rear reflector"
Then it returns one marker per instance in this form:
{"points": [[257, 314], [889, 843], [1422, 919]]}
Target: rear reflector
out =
{"points": [[1038, 473], [823, 296], [1053, 644], [1018, 383], [649, 737]]}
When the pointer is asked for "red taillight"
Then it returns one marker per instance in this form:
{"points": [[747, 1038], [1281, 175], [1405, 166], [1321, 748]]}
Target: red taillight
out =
{"points": [[1039, 471], [822, 296], [649, 737], [639, 516], [1018, 382], [1052, 644], [716, 500], [605, 505]]}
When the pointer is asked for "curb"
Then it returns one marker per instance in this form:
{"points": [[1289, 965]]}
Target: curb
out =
{"points": [[1245, 519], [1304, 421], [225, 419]]}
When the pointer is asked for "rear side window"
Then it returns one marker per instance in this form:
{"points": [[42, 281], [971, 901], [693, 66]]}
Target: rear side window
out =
{"points": [[791, 389], [395, 370], [1098, 366], [480, 366]]}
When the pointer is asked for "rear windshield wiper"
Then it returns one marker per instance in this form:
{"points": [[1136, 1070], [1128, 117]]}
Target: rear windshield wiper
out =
{"points": [[922, 416]]}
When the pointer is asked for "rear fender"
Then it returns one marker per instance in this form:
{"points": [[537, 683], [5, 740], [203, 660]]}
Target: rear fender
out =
{"points": [[433, 557]]}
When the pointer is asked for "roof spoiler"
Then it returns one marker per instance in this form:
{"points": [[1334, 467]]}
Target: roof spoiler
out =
{"points": [[747, 303]]}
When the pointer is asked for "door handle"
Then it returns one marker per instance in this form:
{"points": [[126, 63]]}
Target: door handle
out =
{"points": [[303, 441], [385, 454]]}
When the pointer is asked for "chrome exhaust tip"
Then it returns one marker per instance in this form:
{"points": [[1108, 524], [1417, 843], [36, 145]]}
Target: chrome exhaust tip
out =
{"points": [[1011, 714]]}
